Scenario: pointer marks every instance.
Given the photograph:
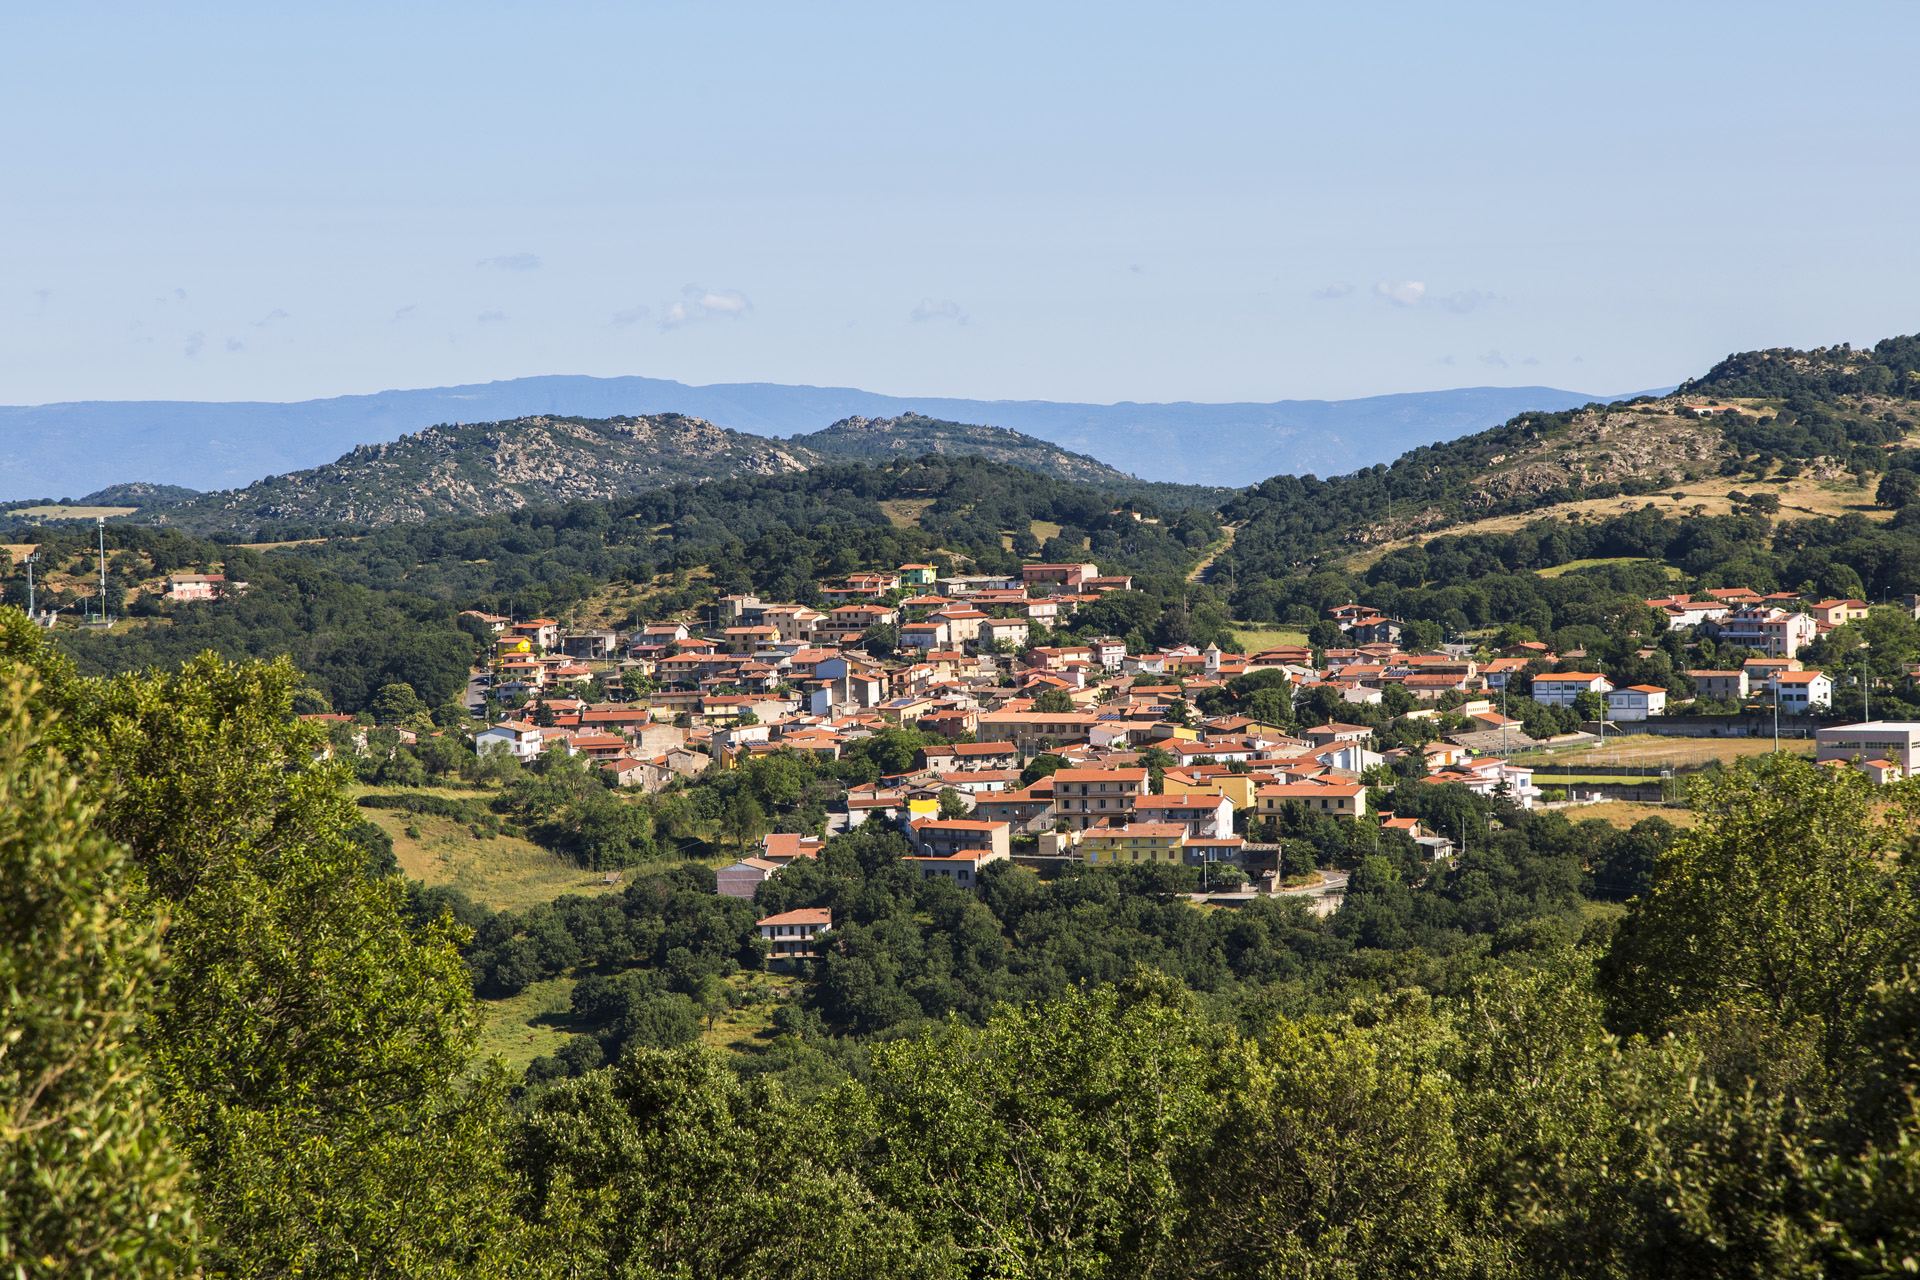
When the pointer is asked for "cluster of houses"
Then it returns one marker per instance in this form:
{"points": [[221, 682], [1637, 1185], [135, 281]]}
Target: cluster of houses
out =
{"points": [[1776, 626], [758, 677], [1098, 807]]}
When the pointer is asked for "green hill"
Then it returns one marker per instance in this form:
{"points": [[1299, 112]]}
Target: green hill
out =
{"points": [[911, 435]]}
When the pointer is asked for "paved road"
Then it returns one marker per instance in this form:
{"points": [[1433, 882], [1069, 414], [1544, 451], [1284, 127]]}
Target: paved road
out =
{"points": [[1333, 883]]}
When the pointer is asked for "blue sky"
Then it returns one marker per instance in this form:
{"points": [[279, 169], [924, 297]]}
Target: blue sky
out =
{"points": [[1086, 202]]}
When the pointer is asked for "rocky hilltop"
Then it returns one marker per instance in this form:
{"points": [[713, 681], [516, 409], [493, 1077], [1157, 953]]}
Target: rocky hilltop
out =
{"points": [[487, 467], [911, 435]]}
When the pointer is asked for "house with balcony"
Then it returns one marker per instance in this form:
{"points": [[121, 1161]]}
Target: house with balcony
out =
{"points": [[1722, 684], [1202, 817], [794, 936], [1085, 798], [1767, 630]]}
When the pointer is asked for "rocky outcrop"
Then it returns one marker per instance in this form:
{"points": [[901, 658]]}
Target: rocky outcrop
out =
{"points": [[485, 468]]}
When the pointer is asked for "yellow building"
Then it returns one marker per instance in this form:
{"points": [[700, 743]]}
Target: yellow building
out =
{"points": [[1135, 842], [1237, 787]]}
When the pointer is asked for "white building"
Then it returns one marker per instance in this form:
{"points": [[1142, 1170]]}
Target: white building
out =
{"points": [[1561, 688], [516, 738], [1637, 702], [1885, 744], [1800, 692]]}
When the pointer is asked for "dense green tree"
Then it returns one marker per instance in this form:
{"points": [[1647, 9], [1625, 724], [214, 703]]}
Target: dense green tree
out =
{"points": [[670, 1165], [397, 704], [1898, 488], [307, 1043], [1767, 926], [1054, 702], [1045, 1144], [91, 1180]]}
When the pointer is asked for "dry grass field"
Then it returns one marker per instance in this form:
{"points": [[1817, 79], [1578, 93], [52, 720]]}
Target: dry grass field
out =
{"points": [[1652, 749], [1571, 565], [1253, 637], [504, 873], [1624, 813], [905, 513], [57, 512], [1799, 497]]}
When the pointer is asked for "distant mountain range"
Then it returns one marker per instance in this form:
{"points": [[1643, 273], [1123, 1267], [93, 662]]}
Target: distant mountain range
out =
{"points": [[60, 450]]}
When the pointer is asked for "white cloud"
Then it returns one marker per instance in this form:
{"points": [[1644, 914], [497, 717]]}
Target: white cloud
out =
{"points": [[698, 304], [269, 318], [43, 295], [490, 317], [1531, 360], [931, 310], [234, 344], [405, 311], [1446, 359], [1405, 293], [1493, 359], [195, 341], [632, 315], [1338, 289], [511, 262]]}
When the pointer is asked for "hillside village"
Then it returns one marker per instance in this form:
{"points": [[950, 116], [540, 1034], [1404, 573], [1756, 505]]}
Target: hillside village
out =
{"points": [[1096, 754]]}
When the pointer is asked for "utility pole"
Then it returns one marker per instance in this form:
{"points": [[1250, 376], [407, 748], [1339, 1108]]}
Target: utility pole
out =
{"points": [[100, 522], [32, 556]]}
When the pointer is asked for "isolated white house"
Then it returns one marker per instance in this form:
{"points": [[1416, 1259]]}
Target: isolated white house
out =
{"points": [[1637, 702]]}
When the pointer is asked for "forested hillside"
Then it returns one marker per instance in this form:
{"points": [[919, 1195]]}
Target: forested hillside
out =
{"points": [[911, 435], [1813, 423]]}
